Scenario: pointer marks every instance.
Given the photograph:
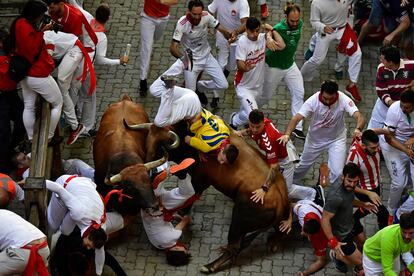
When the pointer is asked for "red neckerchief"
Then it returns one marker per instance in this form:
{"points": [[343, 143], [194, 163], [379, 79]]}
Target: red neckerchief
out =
{"points": [[190, 19], [178, 243], [119, 193]]}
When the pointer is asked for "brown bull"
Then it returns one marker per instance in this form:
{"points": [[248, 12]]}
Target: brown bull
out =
{"points": [[119, 155], [237, 181]]}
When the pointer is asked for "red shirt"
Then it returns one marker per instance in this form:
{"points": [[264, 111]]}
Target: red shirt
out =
{"points": [[28, 44], [6, 83], [154, 9], [319, 242], [267, 141]]}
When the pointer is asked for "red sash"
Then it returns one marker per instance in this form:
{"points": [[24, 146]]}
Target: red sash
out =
{"points": [[87, 64], [168, 214], [348, 35], [35, 263]]}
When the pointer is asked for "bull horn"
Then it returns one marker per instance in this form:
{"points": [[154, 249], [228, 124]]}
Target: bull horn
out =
{"points": [[153, 164], [138, 126], [116, 178], [175, 138]]}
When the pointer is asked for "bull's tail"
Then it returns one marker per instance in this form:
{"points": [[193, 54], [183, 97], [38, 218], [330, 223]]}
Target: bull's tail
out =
{"points": [[126, 97]]}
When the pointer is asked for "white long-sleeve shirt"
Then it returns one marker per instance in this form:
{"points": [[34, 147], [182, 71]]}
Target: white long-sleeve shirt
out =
{"points": [[331, 13]]}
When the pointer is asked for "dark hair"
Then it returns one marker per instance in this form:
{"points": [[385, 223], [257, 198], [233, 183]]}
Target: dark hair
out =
{"points": [[252, 23], [351, 170], [290, 7], [369, 136], [391, 54], [98, 237], [407, 220], [329, 87], [311, 226], [33, 9], [407, 97], [48, 2], [177, 258], [231, 152], [256, 116], [195, 3], [102, 13]]}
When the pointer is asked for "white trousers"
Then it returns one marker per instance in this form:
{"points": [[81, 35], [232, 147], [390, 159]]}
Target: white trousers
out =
{"points": [[372, 268], [86, 105], [378, 115], [152, 29], [321, 49], [400, 169], [340, 58], [295, 191], [177, 196], [337, 152], [66, 72], [177, 103], [226, 56], [248, 101], [294, 81], [211, 67], [49, 90], [13, 261]]}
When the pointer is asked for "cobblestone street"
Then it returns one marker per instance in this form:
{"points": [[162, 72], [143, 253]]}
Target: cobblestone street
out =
{"points": [[212, 213]]}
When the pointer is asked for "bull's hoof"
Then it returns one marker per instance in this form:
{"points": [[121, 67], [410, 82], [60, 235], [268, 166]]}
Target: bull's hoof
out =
{"points": [[204, 269]]}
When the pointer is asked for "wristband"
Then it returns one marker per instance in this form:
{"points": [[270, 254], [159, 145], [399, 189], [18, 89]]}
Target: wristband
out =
{"points": [[333, 242], [265, 188]]}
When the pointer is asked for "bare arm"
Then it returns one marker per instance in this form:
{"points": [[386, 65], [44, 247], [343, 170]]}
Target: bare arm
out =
{"points": [[290, 128], [168, 2], [174, 49], [259, 194], [390, 138], [224, 31], [239, 30], [333, 243], [360, 119], [273, 34], [244, 66], [404, 24]]}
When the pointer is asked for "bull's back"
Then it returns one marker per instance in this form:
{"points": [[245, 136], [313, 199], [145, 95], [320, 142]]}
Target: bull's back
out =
{"points": [[113, 138]]}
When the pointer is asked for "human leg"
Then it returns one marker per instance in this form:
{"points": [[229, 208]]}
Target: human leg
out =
{"points": [[310, 152], [247, 104], [295, 191], [272, 78], [147, 28], [218, 80], [294, 81], [336, 158]]}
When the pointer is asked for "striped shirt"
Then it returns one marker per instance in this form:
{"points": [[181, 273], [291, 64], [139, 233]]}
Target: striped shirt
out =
{"points": [[390, 84], [369, 178]]}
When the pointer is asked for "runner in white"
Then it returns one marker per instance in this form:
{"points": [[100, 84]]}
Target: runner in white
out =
{"points": [[250, 56], [191, 31], [20, 241], [398, 152], [232, 15], [327, 130], [75, 202]]}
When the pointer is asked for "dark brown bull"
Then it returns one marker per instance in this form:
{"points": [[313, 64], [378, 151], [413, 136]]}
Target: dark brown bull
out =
{"points": [[236, 181], [119, 155]]}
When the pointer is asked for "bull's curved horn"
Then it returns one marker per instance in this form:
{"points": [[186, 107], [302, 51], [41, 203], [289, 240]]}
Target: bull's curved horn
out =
{"points": [[175, 138], [138, 126], [153, 164], [115, 178]]}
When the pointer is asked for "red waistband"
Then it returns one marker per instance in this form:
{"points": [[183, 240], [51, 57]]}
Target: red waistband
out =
{"points": [[35, 263]]}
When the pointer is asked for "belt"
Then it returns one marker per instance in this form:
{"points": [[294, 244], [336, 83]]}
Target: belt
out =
{"points": [[338, 28]]}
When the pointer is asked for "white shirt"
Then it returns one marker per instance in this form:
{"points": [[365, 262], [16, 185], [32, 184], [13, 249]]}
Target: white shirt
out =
{"points": [[399, 123], [101, 48], [16, 232], [251, 52], [329, 12], [161, 234], [229, 15], [62, 42], [195, 37], [303, 207], [327, 123]]}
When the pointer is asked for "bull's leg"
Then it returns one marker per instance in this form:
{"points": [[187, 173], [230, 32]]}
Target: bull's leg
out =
{"points": [[245, 219], [274, 240]]}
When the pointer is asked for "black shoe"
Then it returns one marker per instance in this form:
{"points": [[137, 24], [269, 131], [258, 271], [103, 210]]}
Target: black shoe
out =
{"points": [[143, 87], [339, 265], [299, 134], [90, 134], [56, 140], [214, 102], [231, 121], [202, 97], [320, 195]]}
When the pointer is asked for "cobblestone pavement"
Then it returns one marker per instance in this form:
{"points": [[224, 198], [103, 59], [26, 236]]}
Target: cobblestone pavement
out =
{"points": [[212, 213]]}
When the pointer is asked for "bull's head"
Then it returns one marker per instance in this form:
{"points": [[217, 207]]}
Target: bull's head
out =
{"points": [[157, 138], [136, 177]]}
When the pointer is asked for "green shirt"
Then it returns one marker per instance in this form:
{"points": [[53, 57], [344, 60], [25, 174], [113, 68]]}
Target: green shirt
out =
{"points": [[284, 59], [386, 245]]}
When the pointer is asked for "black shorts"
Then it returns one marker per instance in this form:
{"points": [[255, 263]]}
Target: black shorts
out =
{"points": [[349, 247]]}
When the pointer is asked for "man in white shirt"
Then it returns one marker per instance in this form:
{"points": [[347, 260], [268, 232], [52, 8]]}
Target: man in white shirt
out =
{"points": [[329, 19], [23, 247], [191, 31], [327, 130], [232, 15], [398, 152]]}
